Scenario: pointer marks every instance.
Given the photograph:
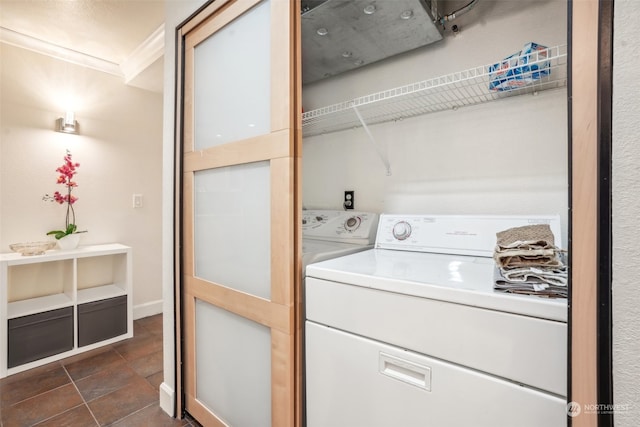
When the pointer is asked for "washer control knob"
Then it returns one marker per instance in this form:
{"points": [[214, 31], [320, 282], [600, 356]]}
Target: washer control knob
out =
{"points": [[352, 223], [401, 230]]}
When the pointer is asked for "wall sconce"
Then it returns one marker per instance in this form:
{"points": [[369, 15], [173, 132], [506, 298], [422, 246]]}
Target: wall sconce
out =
{"points": [[67, 124]]}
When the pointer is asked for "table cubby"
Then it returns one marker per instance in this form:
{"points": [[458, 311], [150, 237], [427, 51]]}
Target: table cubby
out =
{"points": [[63, 303]]}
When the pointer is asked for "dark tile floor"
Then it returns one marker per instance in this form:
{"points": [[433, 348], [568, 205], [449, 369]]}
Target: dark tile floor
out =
{"points": [[116, 385]]}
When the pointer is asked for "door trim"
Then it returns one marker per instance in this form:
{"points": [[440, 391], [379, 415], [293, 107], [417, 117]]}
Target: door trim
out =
{"points": [[590, 381], [605, 257]]}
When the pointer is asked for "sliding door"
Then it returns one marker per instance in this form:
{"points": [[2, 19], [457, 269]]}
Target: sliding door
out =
{"points": [[239, 211]]}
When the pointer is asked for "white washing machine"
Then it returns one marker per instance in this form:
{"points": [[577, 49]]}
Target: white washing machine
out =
{"points": [[412, 334], [328, 234], [331, 233]]}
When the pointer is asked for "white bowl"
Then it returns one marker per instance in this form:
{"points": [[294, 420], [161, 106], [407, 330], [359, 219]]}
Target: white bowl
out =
{"points": [[32, 248]]}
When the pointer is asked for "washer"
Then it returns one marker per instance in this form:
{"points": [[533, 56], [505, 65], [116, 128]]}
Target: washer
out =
{"points": [[331, 233], [327, 234], [411, 333]]}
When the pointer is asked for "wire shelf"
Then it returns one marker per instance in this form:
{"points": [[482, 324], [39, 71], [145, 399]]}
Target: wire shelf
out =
{"points": [[545, 69]]}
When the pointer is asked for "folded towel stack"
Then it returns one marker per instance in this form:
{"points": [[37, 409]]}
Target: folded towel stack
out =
{"points": [[528, 262]]}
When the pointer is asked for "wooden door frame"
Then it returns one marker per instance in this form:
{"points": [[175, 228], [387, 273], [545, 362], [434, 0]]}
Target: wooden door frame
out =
{"points": [[590, 98]]}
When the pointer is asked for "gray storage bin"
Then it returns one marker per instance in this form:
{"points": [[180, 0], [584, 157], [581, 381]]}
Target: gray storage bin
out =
{"points": [[101, 320], [39, 335]]}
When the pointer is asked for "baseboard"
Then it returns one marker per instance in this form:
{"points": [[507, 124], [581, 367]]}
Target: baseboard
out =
{"points": [[167, 399], [147, 309]]}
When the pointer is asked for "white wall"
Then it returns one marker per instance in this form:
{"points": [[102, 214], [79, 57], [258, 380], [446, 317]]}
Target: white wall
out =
{"points": [[626, 205], [175, 13], [505, 157], [119, 151]]}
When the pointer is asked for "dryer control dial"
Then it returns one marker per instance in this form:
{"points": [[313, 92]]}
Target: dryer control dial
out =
{"points": [[352, 223], [401, 230]]}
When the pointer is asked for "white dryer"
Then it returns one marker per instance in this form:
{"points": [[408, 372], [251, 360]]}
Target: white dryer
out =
{"points": [[412, 334]]}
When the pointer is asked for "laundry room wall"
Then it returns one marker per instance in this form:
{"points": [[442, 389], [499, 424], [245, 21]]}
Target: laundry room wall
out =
{"points": [[502, 157], [625, 208]]}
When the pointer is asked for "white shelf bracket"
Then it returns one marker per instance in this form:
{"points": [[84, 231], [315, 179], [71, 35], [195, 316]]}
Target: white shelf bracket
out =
{"points": [[383, 155]]}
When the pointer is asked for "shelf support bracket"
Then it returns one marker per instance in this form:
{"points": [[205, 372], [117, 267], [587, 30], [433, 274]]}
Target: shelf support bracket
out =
{"points": [[383, 156]]}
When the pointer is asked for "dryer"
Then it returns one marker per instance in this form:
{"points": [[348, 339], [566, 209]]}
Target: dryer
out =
{"points": [[411, 333]]}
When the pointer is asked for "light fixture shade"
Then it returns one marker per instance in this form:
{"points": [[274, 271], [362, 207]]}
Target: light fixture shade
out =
{"points": [[67, 124]]}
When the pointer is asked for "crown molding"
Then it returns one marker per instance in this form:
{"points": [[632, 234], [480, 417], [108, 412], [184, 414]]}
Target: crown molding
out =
{"points": [[45, 48], [144, 55], [139, 60]]}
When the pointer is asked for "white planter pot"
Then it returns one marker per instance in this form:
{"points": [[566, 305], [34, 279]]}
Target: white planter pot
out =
{"points": [[70, 241]]}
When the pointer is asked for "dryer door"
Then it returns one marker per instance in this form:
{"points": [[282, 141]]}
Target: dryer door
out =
{"points": [[356, 381]]}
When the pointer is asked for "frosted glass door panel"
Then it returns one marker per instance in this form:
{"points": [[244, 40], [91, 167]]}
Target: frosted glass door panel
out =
{"points": [[233, 80], [233, 362], [232, 227]]}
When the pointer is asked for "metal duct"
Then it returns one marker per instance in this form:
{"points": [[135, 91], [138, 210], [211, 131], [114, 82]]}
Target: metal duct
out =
{"points": [[342, 35]]}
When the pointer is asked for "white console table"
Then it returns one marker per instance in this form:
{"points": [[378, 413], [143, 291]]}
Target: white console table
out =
{"points": [[63, 303]]}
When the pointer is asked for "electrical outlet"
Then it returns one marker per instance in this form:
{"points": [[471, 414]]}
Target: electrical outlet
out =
{"points": [[348, 200]]}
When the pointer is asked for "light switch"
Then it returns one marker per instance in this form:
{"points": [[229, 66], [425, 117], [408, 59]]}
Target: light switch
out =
{"points": [[137, 200]]}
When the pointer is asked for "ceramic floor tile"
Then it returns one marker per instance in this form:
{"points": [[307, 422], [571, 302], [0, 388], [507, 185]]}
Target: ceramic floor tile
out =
{"points": [[139, 331], [118, 383], [29, 373], [147, 365], [15, 390], [41, 407], [115, 406], [151, 416], [156, 380], [152, 324], [76, 417], [138, 347], [93, 364], [84, 355], [105, 381]]}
